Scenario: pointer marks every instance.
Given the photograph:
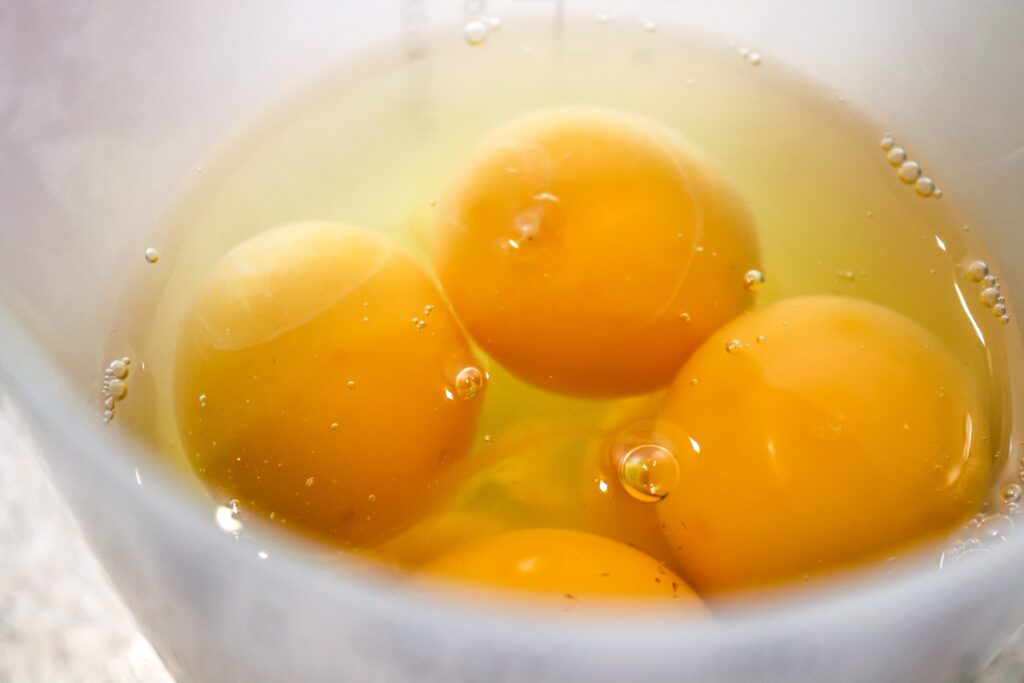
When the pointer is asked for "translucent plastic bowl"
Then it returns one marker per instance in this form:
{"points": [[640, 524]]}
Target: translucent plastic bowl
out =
{"points": [[105, 106]]}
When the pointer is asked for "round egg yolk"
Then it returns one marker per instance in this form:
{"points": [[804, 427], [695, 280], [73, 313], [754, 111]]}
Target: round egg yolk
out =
{"points": [[318, 382], [817, 432], [561, 565], [590, 252]]}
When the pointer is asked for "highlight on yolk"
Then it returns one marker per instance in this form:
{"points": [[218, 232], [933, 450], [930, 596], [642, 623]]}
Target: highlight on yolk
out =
{"points": [[590, 252], [831, 431], [562, 565], [322, 381]]}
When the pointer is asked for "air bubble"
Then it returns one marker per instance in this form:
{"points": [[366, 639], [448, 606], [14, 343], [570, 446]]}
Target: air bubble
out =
{"points": [[648, 472], [151, 255], [896, 156], [650, 26], [999, 310], [755, 59], [493, 24], [888, 142], [684, 316], [994, 529], [118, 369], [989, 296], [977, 271], [910, 171], [351, 384], [924, 187], [202, 400], [733, 346], [469, 382], [226, 520], [753, 280], [475, 32], [1010, 494], [114, 386], [118, 389]]}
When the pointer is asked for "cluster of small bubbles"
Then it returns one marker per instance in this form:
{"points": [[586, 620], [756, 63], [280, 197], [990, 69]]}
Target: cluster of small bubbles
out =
{"points": [[428, 309], [648, 472], [309, 482], [115, 387], [752, 57], [983, 531], [994, 528], [151, 255], [468, 382], [733, 346], [202, 400], [909, 171], [991, 296], [419, 323], [753, 280]]}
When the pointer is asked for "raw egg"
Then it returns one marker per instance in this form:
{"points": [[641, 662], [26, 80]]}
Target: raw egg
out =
{"points": [[561, 565], [324, 383], [590, 252], [817, 432]]}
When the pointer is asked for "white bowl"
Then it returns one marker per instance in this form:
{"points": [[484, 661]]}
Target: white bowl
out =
{"points": [[104, 107]]}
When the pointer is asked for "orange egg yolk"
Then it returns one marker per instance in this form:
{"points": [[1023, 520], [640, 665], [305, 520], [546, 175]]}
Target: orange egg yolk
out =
{"points": [[324, 383], [813, 433], [590, 252], [560, 565]]}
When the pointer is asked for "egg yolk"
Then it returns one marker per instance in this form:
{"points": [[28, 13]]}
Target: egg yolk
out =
{"points": [[590, 252], [817, 432], [561, 565], [323, 382]]}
